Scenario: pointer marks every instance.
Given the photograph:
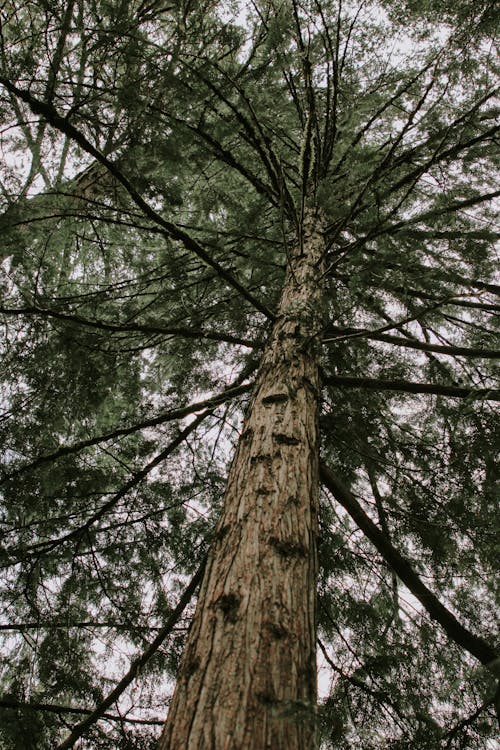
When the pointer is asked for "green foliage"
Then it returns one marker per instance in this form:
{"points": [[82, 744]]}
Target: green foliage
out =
{"points": [[113, 321]]}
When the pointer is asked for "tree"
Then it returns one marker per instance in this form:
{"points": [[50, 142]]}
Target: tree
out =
{"points": [[247, 249]]}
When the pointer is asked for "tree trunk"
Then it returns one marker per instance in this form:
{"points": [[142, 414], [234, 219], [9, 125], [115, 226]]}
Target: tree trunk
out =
{"points": [[247, 680]]}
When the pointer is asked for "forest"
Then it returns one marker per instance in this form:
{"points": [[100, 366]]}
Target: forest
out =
{"points": [[249, 306]]}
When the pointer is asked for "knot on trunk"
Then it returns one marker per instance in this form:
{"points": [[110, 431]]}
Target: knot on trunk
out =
{"points": [[284, 439], [192, 665], [287, 547], [267, 698], [275, 398], [277, 631], [229, 604]]}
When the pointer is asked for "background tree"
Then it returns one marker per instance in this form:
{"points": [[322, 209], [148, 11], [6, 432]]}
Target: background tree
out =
{"points": [[160, 165]]}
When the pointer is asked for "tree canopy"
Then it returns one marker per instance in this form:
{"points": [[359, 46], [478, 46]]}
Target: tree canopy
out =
{"points": [[158, 161]]}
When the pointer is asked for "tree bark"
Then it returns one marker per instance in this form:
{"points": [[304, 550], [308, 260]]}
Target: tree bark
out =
{"points": [[247, 680]]}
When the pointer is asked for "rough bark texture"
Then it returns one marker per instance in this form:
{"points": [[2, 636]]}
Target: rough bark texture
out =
{"points": [[248, 675]]}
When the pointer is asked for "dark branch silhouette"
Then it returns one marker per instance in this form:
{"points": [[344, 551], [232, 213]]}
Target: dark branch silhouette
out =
{"points": [[136, 664], [474, 644], [488, 394]]}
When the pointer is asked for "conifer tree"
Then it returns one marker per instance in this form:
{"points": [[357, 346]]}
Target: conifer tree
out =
{"points": [[249, 350]]}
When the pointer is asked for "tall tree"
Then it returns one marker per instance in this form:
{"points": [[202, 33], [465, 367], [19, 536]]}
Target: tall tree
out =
{"points": [[250, 318]]}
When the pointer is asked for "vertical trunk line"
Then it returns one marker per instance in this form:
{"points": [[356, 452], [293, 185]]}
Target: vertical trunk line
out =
{"points": [[247, 679]]}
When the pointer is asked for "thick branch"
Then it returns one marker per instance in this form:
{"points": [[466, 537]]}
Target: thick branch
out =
{"points": [[455, 301], [488, 394], [455, 351], [226, 156], [56, 709], [432, 213], [137, 478], [168, 416], [63, 125], [184, 331], [23, 627], [472, 643]]}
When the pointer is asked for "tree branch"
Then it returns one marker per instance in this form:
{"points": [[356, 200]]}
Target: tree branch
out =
{"points": [[192, 333], [475, 645], [455, 301], [379, 695], [432, 213], [137, 478], [136, 664], [456, 351], [22, 627], [168, 416], [171, 230], [467, 722], [56, 709], [487, 394]]}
